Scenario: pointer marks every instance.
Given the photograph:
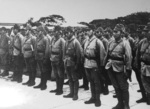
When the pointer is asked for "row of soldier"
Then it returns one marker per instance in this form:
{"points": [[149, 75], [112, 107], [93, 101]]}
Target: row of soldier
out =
{"points": [[103, 57]]}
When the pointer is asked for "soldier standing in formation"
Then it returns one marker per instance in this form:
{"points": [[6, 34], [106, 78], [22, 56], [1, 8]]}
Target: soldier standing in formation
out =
{"points": [[72, 58], [143, 59], [119, 65], [17, 43], [41, 55], [56, 56], [29, 56], [94, 53], [4, 52]]}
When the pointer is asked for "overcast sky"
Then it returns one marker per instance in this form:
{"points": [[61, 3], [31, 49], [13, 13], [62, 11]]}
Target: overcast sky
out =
{"points": [[19, 11]]}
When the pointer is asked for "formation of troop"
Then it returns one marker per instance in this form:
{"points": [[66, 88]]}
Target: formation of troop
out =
{"points": [[101, 57]]}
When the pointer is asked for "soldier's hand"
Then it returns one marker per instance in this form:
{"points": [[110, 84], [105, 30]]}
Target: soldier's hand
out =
{"points": [[128, 75]]}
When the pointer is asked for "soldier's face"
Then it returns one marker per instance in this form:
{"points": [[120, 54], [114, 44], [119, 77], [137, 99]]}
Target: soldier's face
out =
{"points": [[116, 34], [89, 32]]}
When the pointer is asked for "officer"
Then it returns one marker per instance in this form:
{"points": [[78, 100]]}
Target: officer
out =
{"points": [[143, 57], [4, 48], [56, 56], [41, 56], [119, 65], [94, 53], [72, 59], [29, 55], [18, 41]]}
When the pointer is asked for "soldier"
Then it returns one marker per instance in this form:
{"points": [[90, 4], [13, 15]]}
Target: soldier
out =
{"points": [[94, 53], [4, 48], [119, 66], [41, 56], [17, 43], [140, 36], [72, 56], [29, 56], [56, 56], [143, 59], [84, 38]]}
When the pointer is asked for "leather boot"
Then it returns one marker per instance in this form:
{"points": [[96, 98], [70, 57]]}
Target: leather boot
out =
{"points": [[60, 86], [76, 88], [93, 96], [126, 99], [120, 104], [70, 95], [97, 101], [26, 83], [44, 83], [148, 98], [55, 90]]}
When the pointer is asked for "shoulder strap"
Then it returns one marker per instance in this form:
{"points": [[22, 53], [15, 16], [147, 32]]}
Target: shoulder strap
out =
{"points": [[114, 47]]}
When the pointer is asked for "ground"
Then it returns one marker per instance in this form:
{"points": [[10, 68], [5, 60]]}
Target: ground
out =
{"points": [[14, 95]]}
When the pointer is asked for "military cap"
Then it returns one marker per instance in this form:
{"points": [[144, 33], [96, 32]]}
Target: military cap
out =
{"points": [[69, 29], [109, 30], [119, 27], [100, 29], [17, 27]]}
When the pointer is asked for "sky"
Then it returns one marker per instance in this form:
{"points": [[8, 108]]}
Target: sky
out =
{"points": [[74, 11]]}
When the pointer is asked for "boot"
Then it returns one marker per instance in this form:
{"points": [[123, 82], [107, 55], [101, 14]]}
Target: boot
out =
{"points": [[97, 101], [76, 88], [120, 101], [126, 99], [60, 88], [39, 86], [26, 83], [57, 84], [93, 96], [44, 86], [32, 82], [70, 95], [148, 98], [106, 91]]}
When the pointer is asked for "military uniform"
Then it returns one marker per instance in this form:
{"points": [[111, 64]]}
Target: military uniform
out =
{"points": [[119, 62], [72, 56], [41, 56], [56, 56], [4, 53], [94, 53], [17, 43], [29, 56], [143, 57]]}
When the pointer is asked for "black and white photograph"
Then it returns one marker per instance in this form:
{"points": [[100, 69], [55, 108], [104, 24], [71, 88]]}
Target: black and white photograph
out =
{"points": [[74, 54]]}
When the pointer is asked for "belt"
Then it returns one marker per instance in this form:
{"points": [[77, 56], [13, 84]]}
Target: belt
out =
{"points": [[116, 58]]}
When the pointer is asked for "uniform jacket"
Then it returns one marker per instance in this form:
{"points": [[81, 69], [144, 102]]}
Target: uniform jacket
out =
{"points": [[122, 51], [29, 46], [4, 46], [143, 56], [92, 46], [57, 49], [41, 50], [17, 44], [72, 52]]}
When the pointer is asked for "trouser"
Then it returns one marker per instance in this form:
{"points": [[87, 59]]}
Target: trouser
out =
{"points": [[146, 83], [73, 79], [83, 74], [59, 74], [44, 73], [4, 61], [138, 77], [121, 86], [18, 67], [31, 68], [93, 77]]}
